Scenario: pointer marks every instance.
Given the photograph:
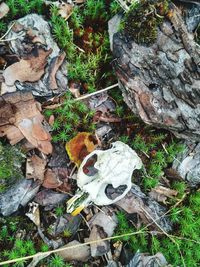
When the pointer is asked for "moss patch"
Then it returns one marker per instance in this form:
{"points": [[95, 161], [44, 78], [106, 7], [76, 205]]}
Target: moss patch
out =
{"points": [[142, 21]]}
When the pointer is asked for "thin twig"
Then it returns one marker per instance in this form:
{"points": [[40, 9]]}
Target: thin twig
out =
{"points": [[9, 29], [97, 92], [70, 247], [84, 96]]}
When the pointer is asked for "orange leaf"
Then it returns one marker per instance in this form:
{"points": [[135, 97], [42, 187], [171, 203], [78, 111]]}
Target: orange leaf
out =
{"points": [[80, 146]]}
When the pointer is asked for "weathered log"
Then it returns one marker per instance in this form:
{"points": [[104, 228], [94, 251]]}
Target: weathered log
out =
{"points": [[161, 82]]}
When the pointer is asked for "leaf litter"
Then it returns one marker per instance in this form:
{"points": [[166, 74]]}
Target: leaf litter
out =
{"points": [[36, 75]]}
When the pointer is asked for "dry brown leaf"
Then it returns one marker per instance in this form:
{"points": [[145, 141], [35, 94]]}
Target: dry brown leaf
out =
{"points": [[51, 180], [35, 168], [161, 193], [12, 133], [74, 88], [65, 10], [51, 120], [4, 9], [80, 146], [38, 132], [20, 117], [30, 69], [54, 66]]}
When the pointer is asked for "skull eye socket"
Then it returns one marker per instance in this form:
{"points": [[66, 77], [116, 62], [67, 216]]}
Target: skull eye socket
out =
{"points": [[89, 168], [112, 193]]}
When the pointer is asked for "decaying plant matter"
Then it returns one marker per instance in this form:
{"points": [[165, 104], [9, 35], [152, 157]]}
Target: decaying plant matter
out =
{"points": [[106, 189]]}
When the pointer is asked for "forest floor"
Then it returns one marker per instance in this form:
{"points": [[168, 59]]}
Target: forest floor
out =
{"points": [[52, 116]]}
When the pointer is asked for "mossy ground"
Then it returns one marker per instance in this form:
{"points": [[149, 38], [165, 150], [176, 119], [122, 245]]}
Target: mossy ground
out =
{"points": [[86, 30]]}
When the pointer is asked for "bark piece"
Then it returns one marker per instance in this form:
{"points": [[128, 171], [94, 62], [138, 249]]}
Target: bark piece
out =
{"points": [[148, 210], [67, 222], [187, 164], [81, 253], [20, 117], [30, 69], [35, 168], [161, 82], [142, 260], [49, 198], [20, 194]]}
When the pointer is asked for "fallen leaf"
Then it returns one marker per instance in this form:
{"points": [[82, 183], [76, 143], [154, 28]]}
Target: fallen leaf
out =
{"points": [[26, 126], [49, 198], [54, 66], [4, 9], [51, 180], [74, 88], [101, 247], [29, 69], [81, 253], [80, 146], [34, 213], [65, 10], [35, 168], [20, 117], [51, 120], [161, 193]]}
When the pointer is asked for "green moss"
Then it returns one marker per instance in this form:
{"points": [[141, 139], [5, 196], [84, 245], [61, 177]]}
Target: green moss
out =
{"points": [[11, 160], [142, 21], [19, 8], [72, 117]]}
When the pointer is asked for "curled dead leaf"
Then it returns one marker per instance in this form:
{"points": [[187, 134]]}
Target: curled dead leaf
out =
{"points": [[161, 193], [51, 180], [29, 69], [20, 117], [80, 146], [35, 168], [65, 10]]}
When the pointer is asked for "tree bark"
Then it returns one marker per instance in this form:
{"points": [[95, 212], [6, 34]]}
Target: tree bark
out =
{"points": [[161, 82]]}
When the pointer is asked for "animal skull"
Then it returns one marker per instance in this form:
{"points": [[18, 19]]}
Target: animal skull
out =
{"points": [[104, 177]]}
